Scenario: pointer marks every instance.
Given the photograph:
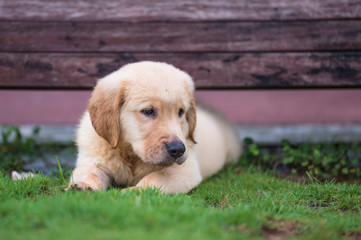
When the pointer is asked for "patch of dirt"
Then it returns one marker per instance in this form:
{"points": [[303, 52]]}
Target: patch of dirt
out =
{"points": [[317, 205], [279, 229], [237, 170], [225, 204], [243, 229], [294, 178], [354, 235], [352, 211]]}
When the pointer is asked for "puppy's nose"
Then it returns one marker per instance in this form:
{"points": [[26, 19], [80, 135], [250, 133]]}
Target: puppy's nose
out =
{"points": [[175, 149]]}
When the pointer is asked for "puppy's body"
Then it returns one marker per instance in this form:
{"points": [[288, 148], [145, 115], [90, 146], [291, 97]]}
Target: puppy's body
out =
{"points": [[133, 117]]}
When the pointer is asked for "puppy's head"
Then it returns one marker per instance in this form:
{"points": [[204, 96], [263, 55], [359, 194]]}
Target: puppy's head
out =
{"points": [[149, 105]]}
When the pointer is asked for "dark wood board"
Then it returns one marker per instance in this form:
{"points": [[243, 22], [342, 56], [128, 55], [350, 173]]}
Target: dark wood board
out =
{"points": [[187, 10], [266, 70], [180, 37]]}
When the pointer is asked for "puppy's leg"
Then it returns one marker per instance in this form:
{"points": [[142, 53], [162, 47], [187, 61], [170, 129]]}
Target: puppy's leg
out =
{"points": [[174, 179], [89, 177]]}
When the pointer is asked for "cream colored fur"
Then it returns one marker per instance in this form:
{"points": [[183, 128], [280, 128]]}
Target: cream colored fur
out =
{"points": [[118, 144]]}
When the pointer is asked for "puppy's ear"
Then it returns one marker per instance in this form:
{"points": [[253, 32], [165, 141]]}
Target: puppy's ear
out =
{"points": [[104, 107], [191, 117]]}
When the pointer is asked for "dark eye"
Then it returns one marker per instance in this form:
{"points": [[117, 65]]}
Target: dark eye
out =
{"points": [[149, 112], [181, 112]]}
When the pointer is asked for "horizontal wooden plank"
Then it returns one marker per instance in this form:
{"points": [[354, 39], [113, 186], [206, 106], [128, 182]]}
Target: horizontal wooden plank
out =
{"points": [[180, 37], [267, 70], [187, 10]]}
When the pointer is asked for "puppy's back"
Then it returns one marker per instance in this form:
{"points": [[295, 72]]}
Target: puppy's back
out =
{"points": [[217, 142]]}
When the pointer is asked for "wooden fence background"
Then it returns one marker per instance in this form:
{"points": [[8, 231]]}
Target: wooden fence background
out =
{"points": [[69, 44]]}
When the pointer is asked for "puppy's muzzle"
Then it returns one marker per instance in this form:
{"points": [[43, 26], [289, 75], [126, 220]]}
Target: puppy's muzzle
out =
{"points": [[176, 150]]}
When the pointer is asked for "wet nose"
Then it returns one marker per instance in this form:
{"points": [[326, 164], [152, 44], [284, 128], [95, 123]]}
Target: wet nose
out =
{"points": [[175, 149]]}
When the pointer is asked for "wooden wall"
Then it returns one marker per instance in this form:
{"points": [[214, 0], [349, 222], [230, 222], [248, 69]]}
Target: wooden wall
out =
{"points": [[69, 44]]}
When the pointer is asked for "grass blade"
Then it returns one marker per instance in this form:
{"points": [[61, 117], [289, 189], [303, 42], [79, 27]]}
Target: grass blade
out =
{"points": [[60, 170]]}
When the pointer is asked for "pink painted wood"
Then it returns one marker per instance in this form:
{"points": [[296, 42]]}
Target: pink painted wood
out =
{"points": [[254, 107]]}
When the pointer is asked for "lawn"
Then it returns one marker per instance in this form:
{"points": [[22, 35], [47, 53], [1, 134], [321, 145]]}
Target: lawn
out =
{"points": [[237, 203], [243, 201]]}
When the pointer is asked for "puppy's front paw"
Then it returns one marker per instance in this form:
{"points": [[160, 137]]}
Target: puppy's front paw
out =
{"points": [[134, 188], [79, 186]]}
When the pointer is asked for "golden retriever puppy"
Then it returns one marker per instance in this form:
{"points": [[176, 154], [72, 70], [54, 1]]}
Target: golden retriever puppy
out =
{"points": [[143, 129]]}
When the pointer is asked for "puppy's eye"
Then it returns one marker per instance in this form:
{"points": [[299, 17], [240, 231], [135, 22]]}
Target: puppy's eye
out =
{"points": [[149, 112], [181, 112]]}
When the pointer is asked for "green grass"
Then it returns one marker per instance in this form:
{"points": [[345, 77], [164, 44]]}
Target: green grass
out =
{"points": [[241, 202], [234, 204], [338, 160]]}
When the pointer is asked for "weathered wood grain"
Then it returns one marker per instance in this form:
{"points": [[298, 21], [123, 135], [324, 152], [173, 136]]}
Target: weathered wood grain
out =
{"points": [[185, 10], [180, 37], [268, 70]]}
